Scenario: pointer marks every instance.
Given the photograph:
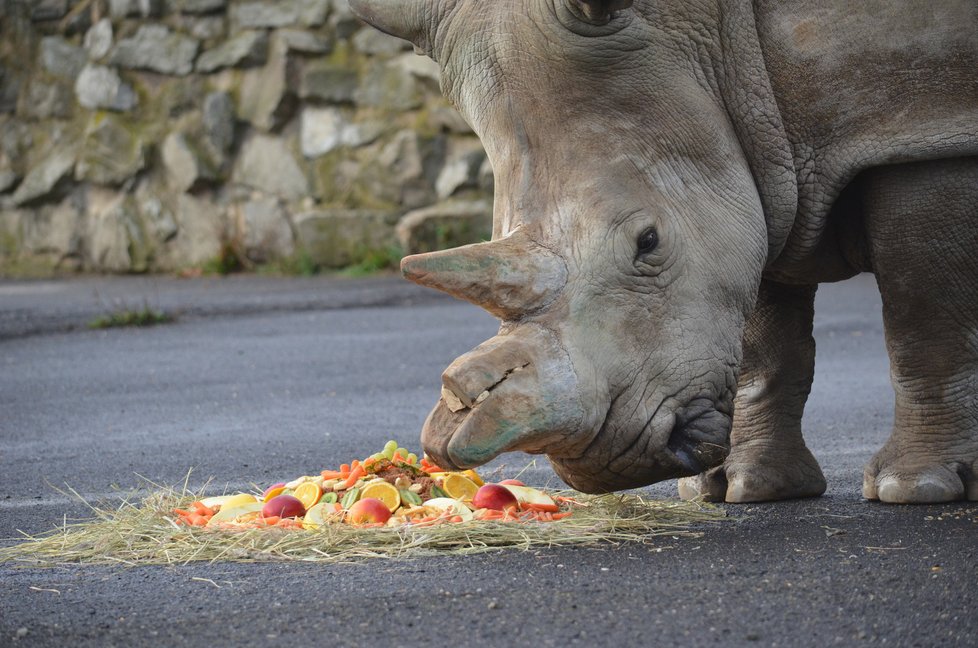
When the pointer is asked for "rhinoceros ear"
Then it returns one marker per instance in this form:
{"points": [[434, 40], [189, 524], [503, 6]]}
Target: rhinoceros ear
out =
{"points": [[407, 19], [599, 11]]}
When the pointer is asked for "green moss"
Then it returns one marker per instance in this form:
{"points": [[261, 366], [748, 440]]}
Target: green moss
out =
{"points": [[144, 316], [227, 261]]}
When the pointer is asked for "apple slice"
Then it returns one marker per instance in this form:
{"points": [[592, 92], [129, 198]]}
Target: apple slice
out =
{"points": [[230, 515], [527, 495], [450, 506], [322, 514]]}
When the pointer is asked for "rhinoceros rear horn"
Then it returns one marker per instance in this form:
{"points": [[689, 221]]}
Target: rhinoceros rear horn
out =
{"points": [[407, 19], [509, 277], [599, 11]]}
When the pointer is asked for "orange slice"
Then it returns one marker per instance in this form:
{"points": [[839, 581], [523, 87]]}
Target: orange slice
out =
{"points": [[384, 491], [459, 486], [273, 492], [308, 493]]}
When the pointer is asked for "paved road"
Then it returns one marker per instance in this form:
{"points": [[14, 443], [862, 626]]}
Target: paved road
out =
{"points": [[267, 378]]}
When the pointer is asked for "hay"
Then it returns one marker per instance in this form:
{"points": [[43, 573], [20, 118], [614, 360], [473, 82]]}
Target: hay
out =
{"points": [[144, 533]]}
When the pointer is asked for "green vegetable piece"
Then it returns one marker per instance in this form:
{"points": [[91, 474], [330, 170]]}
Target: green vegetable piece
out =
{"points": [[328, 498], [351, 496], [410, 498], [403, 452], [437, 491], [412, 458]]}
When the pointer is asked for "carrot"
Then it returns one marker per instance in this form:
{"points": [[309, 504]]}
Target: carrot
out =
{"points": [[455, 518], [331, 474], [559, 516], [344, 470], [541, 508], [397, 458], [203, 510], [182, 512], [196, 520], [271, 520], [354, 464], [356, 474]]}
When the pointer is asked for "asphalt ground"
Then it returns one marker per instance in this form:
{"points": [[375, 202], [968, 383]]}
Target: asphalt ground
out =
{"points": [[262, 379]]}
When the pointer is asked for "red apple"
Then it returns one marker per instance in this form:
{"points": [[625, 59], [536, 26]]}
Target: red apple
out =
{"points": [[495, 497], [283, 506], [368, 510], [511, 482]]}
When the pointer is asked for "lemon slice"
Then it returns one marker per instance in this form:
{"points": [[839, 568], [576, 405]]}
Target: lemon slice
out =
{"points": [[384, 491], [474, 476], [308, 493], [459, 486]]}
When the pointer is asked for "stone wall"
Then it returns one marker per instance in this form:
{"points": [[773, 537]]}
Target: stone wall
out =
{"points": [[159, 135]]}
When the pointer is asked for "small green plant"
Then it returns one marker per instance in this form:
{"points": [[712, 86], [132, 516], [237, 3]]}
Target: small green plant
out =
{"points": [[226, 262], [298, 265], [145, 316]]}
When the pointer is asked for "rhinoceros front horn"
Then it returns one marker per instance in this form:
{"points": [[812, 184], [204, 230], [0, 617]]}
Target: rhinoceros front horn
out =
{"points": [[407, 19], [509, 277]]}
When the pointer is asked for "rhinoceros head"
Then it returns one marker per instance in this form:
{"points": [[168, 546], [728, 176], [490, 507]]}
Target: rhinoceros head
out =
{"points": [[627, 247]]}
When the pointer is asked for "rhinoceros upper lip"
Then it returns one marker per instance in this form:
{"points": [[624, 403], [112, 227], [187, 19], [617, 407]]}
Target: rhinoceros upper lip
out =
{"points": [[700, 437]]}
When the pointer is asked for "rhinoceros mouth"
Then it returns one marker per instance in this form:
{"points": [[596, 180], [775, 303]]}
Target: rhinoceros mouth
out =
{"points": [[700, 437]]}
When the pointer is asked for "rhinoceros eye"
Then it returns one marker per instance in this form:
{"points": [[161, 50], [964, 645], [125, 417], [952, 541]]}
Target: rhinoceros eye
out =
{"points": [[647, 241]]}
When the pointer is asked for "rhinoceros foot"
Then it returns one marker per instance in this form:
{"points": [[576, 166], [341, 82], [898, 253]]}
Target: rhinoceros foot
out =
{"points": [[758, 473], [910, 475]]}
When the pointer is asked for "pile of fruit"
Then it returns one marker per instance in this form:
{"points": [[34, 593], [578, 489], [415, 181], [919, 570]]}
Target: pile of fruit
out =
{"points": [[391, 488]]}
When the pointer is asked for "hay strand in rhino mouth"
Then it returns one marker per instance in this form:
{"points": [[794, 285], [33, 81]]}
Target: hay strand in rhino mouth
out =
{"points": [[143, 532]]}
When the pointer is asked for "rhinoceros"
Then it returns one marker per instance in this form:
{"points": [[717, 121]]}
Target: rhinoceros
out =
{"points": [[674, 178]]}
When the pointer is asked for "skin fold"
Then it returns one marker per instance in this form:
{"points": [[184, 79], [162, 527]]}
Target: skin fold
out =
{"points": [[673, 180]]}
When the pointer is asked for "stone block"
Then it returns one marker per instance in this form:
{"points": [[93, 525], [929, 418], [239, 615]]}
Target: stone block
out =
{"points": [[101, 87], [264, 230], [461, 170], [119, 9], [156, 48], [322, 130], [186, 167], [247, 49], [445, 225], [44, 10], [265, 163], [376, 43], [111, 153], [304, 42], [45, 180], [47, 100], [201, 6], [53, 230], [389, 88], [278, 13], [201, 231], [62, 59], [218, 123], [341, 237], [327, 82], [98, 39], [266, 99]]}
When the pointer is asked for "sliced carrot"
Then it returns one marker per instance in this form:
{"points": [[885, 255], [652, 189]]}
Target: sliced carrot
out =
{"points": [[354, 464], [196, 520], [344, 470], [356, 474], [331, 474], [397, 458], [271, 520], [559, 516], [182, 512], [541, 508]]}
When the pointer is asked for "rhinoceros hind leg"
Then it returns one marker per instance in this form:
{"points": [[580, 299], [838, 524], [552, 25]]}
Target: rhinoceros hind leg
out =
{"points": [[768, 458], [920, 221]]}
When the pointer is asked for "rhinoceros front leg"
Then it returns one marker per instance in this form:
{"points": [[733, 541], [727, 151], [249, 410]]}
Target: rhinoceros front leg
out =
{"points": [[921, 224], [768, 458]]}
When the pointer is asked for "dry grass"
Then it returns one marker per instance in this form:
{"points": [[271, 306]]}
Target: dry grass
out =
{"points": [[144, 533]]}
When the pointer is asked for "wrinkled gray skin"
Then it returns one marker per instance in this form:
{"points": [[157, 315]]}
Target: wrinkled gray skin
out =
{"points": [[771, 146]]}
